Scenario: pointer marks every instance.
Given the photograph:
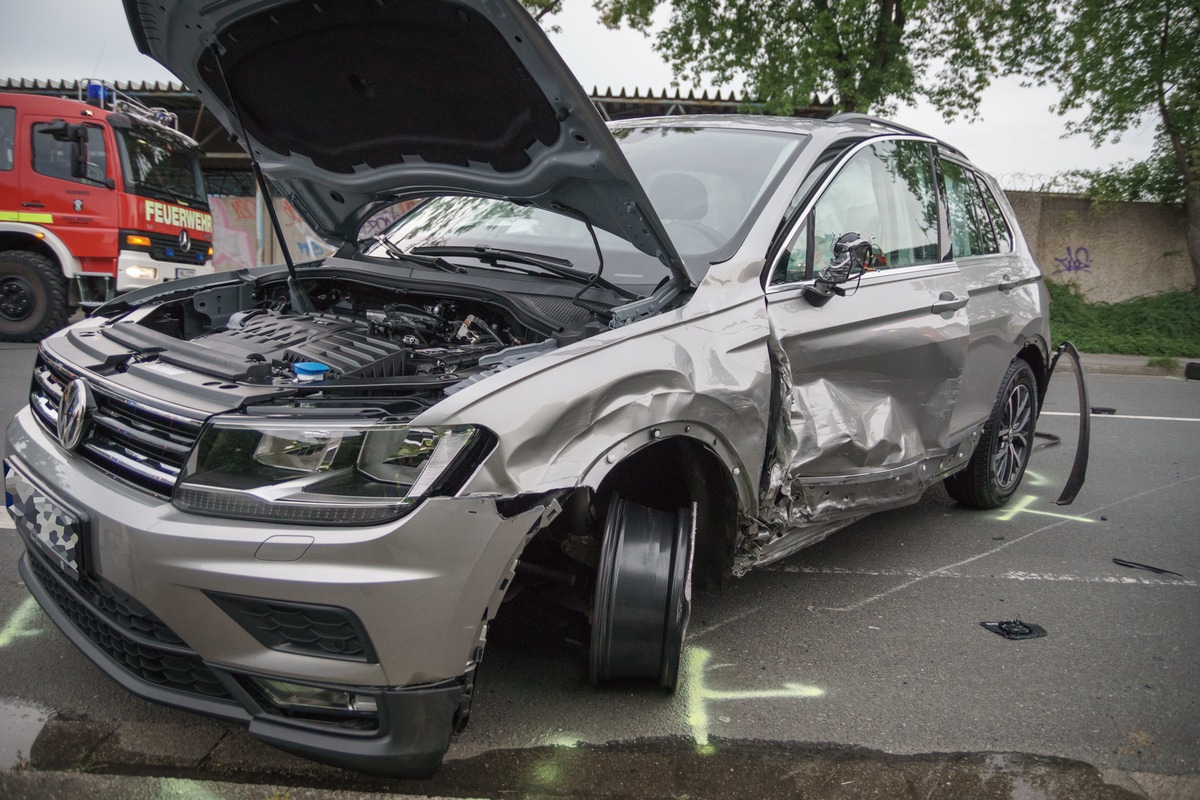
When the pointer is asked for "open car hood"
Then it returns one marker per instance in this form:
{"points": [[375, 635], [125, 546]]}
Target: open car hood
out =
{"points": [[350, 105]]}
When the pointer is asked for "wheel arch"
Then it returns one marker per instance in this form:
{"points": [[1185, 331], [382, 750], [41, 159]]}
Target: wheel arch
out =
{"points": [[677, 471], [24, 236], [1036, 353]]}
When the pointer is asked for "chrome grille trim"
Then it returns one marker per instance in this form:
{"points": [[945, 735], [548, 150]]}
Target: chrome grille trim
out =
{"points": [[157, 473], [137, 444]]}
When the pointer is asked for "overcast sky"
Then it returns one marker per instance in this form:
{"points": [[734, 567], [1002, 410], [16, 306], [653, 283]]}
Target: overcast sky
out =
{"points": [[1017, 135]]}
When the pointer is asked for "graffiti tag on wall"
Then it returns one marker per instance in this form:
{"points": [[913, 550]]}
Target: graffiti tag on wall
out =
{"points": [[1077, 260], [384, 219]]}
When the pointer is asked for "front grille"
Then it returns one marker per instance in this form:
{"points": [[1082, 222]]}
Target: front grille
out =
{"points": [[311, 630], [140, 445], [164, 247], [136, 640]]}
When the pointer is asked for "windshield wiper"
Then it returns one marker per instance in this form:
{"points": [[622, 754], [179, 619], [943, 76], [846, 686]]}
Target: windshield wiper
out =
{"points": [[555, 266], [395, 251]]}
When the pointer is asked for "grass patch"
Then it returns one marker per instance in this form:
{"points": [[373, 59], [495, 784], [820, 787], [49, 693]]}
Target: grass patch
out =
{"points": [[1165, 325], [1163, 362]]}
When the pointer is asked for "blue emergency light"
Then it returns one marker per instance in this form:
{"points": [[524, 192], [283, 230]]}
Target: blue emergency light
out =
{"points": [[99, 95]]}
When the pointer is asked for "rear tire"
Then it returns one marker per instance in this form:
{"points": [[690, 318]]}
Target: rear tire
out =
{"points": [[995, 470], [643, 594], [33, 296]]}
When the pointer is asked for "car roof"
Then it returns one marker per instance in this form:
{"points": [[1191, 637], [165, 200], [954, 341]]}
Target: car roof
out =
{"points": [[822, 130]]}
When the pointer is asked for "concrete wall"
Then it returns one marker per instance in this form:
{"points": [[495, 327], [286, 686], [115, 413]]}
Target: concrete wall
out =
{"points": [[1110, 252]]}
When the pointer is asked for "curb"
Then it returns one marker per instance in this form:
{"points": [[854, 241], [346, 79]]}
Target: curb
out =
{"points": [[1101, 364], [38, 785], [218, 761]]}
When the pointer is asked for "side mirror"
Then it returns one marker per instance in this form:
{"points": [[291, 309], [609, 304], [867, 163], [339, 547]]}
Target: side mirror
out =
{"points": [[60, 129], [79, 152], [77, 135], [853, 254]]}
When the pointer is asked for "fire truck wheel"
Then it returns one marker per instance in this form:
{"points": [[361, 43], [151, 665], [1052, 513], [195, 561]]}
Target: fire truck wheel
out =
{"points": [[33, 296]]}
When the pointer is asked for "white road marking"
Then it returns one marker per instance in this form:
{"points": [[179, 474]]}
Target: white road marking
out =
{"points": [[698, 634], [1011, 575], [951, 567], [1119, 416]]}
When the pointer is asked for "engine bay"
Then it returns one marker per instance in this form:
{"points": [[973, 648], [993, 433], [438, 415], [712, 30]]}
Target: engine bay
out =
{"points": [[357, 335], [391, 342]]}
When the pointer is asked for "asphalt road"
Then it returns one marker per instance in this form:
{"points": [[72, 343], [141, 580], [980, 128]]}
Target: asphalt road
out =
{"points": [[869, 639]]}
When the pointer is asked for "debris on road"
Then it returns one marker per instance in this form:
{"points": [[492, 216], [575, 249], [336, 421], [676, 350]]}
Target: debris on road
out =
{"points": [[1120, 562], [1015, 629]]}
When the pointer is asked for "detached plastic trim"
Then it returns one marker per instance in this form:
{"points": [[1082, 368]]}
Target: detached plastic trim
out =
{"points": [[1079, 468]]}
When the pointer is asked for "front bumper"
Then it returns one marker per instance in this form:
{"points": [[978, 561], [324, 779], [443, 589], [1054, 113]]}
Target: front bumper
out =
{"points": [[145, 607], [163, 270]]}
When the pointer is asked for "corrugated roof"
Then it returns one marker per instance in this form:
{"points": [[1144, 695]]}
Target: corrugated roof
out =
{"points": [[220, 153], [72, 86]]}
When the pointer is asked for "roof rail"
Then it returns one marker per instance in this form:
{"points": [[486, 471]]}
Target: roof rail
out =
{"points": [[867, 119]]}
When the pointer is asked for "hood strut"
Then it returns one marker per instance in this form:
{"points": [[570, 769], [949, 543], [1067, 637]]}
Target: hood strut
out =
{"points": [[297, 297]]}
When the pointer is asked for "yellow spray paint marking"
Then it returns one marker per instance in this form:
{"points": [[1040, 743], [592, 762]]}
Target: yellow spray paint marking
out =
{"points": [[180, 789], [698, 695], [547, 773], [21, 623], [1034, 478], [1022, 507]]}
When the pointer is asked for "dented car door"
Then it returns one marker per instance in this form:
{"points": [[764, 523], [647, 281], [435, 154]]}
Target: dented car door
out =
{"points": [[875, 373]]}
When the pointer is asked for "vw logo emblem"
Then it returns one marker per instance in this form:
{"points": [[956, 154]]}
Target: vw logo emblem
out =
{"points": [[73, 410], [185, 241]]}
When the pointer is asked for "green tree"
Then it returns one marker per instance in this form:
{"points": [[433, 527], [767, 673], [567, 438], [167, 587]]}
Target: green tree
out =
{"points": [[863, 55], [540, 9], [1124, 62]]}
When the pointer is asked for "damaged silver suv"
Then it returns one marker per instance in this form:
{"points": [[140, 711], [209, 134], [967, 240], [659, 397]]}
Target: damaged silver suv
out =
{"points": [[627, 358]]}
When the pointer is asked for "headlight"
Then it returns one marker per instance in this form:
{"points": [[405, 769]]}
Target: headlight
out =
{"points": [[323, 472]]}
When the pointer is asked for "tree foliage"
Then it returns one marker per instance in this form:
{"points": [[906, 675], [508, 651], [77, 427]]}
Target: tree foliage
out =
{"points": [[1123, 63], [859, 55], [1154, 180]]}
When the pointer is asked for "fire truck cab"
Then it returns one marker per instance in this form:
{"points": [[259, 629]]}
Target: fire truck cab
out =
{"points": [[98, 195]]}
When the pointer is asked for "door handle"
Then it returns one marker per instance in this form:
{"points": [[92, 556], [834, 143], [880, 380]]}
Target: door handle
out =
{"points": [[33, 205], [1007, 283], [948, 302]]}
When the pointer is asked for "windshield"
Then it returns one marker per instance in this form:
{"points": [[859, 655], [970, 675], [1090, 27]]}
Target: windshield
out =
{"points": [[705, 184], [161, 167]]}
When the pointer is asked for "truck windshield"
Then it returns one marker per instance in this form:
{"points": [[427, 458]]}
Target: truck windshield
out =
{"points": [[161, 167]]}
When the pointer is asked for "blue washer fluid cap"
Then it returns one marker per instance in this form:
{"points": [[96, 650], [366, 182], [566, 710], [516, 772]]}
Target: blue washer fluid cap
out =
{"points": [[310, 370]]}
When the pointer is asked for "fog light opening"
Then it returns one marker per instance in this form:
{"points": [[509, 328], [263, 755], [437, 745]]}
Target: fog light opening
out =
{"points": [[343, 707]]}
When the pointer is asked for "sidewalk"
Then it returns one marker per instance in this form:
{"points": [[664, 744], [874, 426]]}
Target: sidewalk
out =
{"points": [[1102, 364]]}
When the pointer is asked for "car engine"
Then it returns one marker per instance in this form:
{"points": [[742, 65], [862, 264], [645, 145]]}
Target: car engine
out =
{"points": [[392, 342]]}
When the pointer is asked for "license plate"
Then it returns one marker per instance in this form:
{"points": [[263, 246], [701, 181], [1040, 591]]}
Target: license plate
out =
{"points": [[42, 520], [185, 272]]}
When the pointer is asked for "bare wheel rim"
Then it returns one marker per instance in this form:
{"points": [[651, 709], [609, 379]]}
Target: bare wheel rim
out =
{"points": [[642, 600], [1013, 437]]}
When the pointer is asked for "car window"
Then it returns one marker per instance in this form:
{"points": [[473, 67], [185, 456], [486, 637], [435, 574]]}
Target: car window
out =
{"points": [[53, 157], [8, 132], [704, 183], [707, 185], [971, 232], [884, 192], [460, 221], [1004, 237]]}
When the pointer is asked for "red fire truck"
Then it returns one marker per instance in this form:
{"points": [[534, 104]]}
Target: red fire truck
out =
{"points": [[98, 196]]}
